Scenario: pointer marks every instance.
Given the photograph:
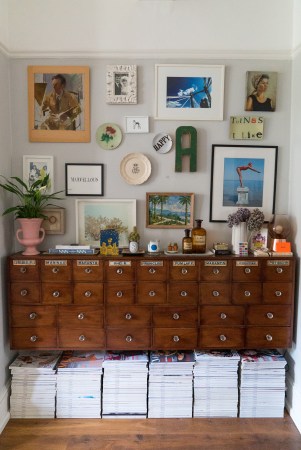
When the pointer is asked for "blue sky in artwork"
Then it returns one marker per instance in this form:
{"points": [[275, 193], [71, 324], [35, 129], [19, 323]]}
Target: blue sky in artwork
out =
{"points": [[188, 92], [230, 165]]}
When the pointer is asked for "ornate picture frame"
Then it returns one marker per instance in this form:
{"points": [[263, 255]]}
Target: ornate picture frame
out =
{"points": [[121, 84]]}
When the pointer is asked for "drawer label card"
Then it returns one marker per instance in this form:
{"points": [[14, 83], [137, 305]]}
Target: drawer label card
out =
{"points": [[120, 263], [215, 263], [246, 263], [183, 263], [83, 262], [151, 263], [24, 262], [55, 262], [278, 262]]}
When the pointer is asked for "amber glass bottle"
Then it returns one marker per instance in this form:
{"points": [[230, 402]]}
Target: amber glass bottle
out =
{"points": [[187, 242], [198, 236]]}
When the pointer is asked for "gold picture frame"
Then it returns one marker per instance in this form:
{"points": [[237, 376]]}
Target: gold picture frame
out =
{"points": [[58, 104], [55, 224]]}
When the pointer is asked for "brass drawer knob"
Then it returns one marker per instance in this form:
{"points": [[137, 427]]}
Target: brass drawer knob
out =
{"points": [[269, 337], [279, 270], [55, 270], [247, 270], [176, 338], [82, 338], [215, 271], [215, 294], [88, 270], [223, 316], [33, 338], [81, 316], [247, 293], [176, 316], [88, 294], [184, 271], [222, 338], [152, 270], [128, 338], [23, 269], [128, 316], [152, 293], [24, 292], [270, 315], [33, 315], [119, 271], [119, 294], [278, 293], [56, 294], [184, 294]]}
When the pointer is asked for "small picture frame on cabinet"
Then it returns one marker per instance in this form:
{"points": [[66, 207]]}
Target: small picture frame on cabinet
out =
{"points": [[55, 222]]}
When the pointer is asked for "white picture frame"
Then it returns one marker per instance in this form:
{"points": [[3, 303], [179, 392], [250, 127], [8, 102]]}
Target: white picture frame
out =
{"points": [[37, 166], [121, 82], [189, 92], [136, 124]]}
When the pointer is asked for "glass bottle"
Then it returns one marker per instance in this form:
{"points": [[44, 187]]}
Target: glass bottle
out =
{"points": [[187, 242], [198, 235]]}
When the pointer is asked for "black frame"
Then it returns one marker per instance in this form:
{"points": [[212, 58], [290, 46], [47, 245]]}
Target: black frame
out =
{"points": [[86, 176]]}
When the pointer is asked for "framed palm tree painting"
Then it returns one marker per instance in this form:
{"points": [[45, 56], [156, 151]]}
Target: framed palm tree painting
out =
{"points": [[169, 209]]}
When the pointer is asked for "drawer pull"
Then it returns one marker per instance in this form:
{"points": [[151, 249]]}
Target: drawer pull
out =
{"points": [[184, 294], [152, 270], [223, 316], [215, 294], [128, 316], [278, 293], [119, 294], [24, 292], [88, 270], [23, 269], [269, 337], [247, 293], [119, 271], [129, 338], [81, 316], [55, 270], [184, 271], [176, 338], [176, 316], [33, 338], [279, 270], [247, 270], [82, 338], [270, 315], [88, 294], [33, 315], [215, 271], [152, 293], [222, 338], [56, 294]]}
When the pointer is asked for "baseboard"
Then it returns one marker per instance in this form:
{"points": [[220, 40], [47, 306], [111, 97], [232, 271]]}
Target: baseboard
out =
{"points": [[4, 406], [293, 401]]}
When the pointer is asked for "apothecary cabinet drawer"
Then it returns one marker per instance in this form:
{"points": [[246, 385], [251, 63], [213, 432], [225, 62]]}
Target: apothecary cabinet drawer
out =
{"points": [[56, 270], [278, 270], [128, 316], [33, 316], [222, 315], [181, 317], [221, 337], [151, 293], [184, 270], [277, 293], [129, 338], [88, 270], [88, 293], [152, 270], [24, 269], [84, 337], [215, 293], [175, 338], [268, 337], [246, 293], [271, 315], [215, 270], [246, 270], [183, 293], [119, 293], [56, 293], [25, 293], [33, 338], [78, 316], [120, 270]]}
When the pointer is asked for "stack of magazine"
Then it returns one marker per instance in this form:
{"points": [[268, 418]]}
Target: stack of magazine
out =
{"points": [[125, 385], [170, 384], [33, 386], [216, 383], [262, 383], [79, 379]]}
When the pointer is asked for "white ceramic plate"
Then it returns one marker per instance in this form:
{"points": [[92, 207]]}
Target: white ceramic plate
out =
{"points": [[162, 143], [135, 168]]}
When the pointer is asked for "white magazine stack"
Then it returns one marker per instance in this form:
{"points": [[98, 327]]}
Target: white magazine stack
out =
{"points": [[216, 383], [262, 383], [170, 384], [125, 385], [79, 379], [33, 386]]}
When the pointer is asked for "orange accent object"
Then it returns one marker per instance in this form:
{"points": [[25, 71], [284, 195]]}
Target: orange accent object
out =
{"points": [[283, 247]]}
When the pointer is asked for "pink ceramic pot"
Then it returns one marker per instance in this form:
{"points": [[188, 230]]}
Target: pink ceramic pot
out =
{"points": [[31, 235]]}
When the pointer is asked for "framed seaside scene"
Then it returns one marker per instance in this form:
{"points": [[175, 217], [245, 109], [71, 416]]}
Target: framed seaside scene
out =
{"points": [[169, 209], [58, 104], [242, 176], [189, 92]]}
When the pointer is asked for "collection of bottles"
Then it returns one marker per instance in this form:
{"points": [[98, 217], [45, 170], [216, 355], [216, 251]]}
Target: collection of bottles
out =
{"points": [[196, 243]]}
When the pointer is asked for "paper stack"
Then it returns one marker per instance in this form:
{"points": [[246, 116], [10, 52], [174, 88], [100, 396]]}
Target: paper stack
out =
{"points": [[170, 384], [79, 379], [216, 383], [125, 385], [33, 386], [262, 383]]}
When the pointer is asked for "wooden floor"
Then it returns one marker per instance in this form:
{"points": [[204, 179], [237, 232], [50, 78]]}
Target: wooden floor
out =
{"points": [[167, 434]]}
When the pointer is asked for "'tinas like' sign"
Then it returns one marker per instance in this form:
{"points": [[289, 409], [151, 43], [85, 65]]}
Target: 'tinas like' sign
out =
{"points": [[246, 127]]}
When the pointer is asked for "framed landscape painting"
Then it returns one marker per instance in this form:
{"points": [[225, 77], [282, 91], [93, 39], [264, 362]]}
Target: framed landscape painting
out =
{"points": [[169, 209]]}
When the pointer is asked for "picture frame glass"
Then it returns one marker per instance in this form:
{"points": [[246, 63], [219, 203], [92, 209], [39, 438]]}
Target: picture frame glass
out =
{"points": [[36, 167], [84, 179], [169, 210]]}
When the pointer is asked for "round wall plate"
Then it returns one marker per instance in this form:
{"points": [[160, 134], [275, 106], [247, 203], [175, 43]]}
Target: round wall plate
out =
{"points": [[135, 168], [108, 136], [162, 143]]}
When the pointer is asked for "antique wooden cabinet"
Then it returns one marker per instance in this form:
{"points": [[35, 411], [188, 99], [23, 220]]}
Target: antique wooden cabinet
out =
{"points": [[151, 302]]}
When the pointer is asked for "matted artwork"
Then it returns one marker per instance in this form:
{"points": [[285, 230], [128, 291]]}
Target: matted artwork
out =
{"points": [[122, 84], [84, 179], [35, 167], [169, 209]]}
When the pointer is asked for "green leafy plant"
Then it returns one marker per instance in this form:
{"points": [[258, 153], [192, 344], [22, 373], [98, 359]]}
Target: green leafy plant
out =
{"points": [[134, 236], [32, 199]]}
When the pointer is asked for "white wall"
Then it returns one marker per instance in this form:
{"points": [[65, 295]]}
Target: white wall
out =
{"points": [[4, 37]]}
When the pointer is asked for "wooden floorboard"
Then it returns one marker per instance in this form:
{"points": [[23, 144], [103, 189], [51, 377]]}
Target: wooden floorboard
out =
{"points": [[151, 434]]}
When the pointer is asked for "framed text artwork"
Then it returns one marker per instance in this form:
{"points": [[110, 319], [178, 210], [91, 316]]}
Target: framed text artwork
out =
{"points": [[58, 104], [122, 84], [84, 179], [35, 167], [189, 92], [242, 176], [169, 209]]}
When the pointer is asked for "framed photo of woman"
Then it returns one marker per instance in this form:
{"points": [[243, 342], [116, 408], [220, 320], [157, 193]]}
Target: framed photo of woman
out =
{"points": [[261, 91]]}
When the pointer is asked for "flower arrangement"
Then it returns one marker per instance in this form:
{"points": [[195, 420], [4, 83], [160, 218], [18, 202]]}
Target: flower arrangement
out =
{"points": [[254, 219]]}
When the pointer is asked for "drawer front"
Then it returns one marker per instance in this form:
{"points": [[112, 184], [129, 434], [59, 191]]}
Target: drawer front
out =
{"points": [[151, 293], [33, 316], [88, 293], [184, 270], [174, 338], [222, 315], [25, 293], [24, 269], [80, 316], [87, 270], [268, 337], [33, 338], [279, 270], [152, 270], [128, 339], [128, 316], [277, 293], [78, 338], [246, 293], [56, 293], [215, 270], [215, 293], [221, 337], [246, 270], [183, 293], [175, 317], [269, 315], [56, 270], [120, 293], [120, 270]]}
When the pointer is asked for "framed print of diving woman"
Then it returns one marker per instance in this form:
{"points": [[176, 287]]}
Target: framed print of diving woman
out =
{"points": [[242, 176]]}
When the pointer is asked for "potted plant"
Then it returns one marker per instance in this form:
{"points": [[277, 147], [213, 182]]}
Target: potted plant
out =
{"points": [[29, 210], [134, 238]]}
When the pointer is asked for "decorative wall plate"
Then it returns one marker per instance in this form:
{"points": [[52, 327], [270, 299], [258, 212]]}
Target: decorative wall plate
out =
{"points": [[108, 136], [162, 143], [135, 168]]}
